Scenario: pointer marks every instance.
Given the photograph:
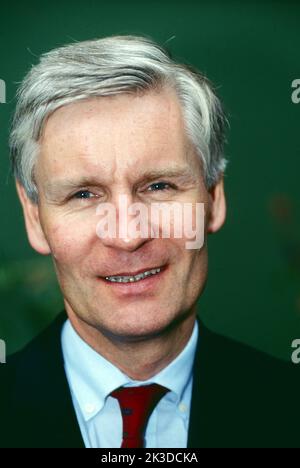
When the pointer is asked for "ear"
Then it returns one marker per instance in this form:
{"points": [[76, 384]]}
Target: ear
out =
{"points": [[34, 229], [218, 207]]}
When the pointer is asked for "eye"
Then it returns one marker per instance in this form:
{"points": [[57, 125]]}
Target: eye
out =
{"points": [[159, 186], [83, 194]]}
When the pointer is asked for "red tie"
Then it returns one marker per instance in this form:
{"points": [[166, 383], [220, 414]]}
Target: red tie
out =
{"points": [[137, 404]]}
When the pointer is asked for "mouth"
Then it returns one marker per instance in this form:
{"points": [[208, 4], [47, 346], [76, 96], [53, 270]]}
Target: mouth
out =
{"points": [[134, 277], [131, 285]]}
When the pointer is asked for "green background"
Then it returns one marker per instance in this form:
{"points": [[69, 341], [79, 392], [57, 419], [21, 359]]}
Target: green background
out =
{"points": [[250, 50]]}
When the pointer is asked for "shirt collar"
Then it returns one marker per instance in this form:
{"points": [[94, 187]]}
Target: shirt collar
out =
{"points": [[92, 377]]}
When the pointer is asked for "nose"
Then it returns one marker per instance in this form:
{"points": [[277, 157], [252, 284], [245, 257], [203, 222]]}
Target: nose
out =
{"points": [[126, 244], [121, 227]]}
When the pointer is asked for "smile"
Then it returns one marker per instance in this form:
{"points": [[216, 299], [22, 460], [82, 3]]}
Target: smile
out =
{"points": [[133, 278]]}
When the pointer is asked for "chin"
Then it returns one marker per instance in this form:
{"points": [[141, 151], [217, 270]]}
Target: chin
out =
{"points": [[137, 327]]}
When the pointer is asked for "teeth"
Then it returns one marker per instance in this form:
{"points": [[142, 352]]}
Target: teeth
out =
{"points": [[132, 279]]}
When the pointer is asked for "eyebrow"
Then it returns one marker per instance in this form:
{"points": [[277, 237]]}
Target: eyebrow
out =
{"points": [[184, 175]]}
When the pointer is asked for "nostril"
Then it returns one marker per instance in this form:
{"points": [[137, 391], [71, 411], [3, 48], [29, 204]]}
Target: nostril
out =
{"points": [[121, 244]]}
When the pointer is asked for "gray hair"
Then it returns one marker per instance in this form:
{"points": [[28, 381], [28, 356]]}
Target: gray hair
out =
{"points": [[110, 66]]}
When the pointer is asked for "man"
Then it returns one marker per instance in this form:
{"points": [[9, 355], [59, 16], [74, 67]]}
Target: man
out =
{"points": [[132, 366]]}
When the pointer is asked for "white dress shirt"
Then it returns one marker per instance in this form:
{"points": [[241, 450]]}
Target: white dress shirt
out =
{"points": [[92, 378]]}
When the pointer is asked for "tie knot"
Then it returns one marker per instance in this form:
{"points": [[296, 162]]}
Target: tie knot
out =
{"points": [[137, 404]]}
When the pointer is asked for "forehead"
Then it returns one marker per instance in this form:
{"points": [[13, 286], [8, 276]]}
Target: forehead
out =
{"points": [[115, 133]]}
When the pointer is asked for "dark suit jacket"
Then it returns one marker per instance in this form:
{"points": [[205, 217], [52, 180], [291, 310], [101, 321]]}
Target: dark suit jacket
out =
{"points": [[240, 396]]}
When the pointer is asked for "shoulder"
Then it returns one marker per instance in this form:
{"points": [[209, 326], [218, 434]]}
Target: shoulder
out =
{"points": [[245, 396], [41, 348], [26, 375], [243, 368], [227, 353]]}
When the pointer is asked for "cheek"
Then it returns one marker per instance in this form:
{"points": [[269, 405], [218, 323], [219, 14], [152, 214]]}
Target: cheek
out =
{"points": [[69, 242], [195, 261], [190, 274], [197, 276]]}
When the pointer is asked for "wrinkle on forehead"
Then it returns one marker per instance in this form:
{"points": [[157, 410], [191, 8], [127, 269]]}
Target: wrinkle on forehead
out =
{"points": [[115, 135]]}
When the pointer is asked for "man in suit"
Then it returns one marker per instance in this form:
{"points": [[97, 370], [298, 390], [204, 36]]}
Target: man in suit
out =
{"points": [[132, 366]]}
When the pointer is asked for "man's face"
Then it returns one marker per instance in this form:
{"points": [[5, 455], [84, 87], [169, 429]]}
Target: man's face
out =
{"points": [[91, 152]]}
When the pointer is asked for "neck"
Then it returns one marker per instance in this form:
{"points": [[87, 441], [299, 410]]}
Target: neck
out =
{"points": [[140, 360]]}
